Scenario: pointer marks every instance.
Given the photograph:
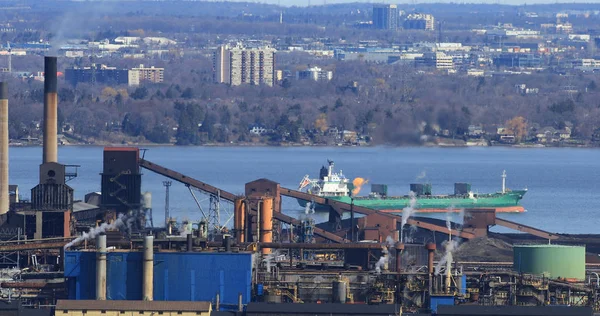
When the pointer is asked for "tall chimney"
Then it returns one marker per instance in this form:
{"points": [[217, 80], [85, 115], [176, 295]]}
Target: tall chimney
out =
{"points": [[148, 268], [4, 198], [50, 110], [101, 267]]}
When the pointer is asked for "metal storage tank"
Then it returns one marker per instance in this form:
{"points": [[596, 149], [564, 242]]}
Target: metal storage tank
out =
{"points": [[553, 261], [339, 291]]}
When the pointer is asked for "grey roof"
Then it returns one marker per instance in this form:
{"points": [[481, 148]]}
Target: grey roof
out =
{"points": [[146, 306], [476, 310], [82, 206], [319, 309]]}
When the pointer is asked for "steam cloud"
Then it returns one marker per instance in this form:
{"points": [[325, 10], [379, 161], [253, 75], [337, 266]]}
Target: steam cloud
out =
{"points": [[450, 245], [380, 264], [407, 212], [309, 208], [186, 229], [122, 222], [421, 175], [390, 242]]}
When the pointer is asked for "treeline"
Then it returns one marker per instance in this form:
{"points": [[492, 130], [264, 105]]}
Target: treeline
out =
{"points": [[393, 104]]}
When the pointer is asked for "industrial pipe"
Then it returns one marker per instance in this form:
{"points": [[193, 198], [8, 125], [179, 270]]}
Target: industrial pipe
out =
{"points": [[277, 245], [217, 302], [101, 267], [190, 242], [431, 253], [32, 285], [399, 250], [240, 304], [266, 223], [240, 219], [50, 110], [148, 268]]}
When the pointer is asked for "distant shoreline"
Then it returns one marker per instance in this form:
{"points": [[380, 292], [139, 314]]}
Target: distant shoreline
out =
{"points": [[142, 145]]}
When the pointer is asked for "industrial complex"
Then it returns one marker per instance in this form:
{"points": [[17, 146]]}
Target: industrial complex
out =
{"points": [[106, 256]]}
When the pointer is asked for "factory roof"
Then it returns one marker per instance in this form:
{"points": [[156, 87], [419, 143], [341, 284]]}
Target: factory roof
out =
{"points": [[147, 306], [476, 310], [319, 309], [12, 307]]}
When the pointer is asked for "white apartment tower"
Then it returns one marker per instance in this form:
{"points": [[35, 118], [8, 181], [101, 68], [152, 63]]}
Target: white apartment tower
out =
{"points": [[240, 65]]}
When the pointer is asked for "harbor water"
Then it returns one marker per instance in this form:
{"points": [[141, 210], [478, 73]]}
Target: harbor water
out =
{"points": [[563, 183]]}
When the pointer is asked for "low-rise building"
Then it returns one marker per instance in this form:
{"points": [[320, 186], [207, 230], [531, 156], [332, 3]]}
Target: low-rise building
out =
{"points": [[315, 73], [131, 308], [438, 60]]}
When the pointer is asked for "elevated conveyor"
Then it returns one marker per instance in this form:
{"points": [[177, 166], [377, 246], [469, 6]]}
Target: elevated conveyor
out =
{"points": [[227, 196]]}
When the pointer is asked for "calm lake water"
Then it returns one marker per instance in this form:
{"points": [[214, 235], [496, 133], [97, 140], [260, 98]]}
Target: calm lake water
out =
{"points": [[563, 183]]}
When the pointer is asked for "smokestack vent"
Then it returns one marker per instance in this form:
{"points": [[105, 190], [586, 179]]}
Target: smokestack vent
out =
{"points": [[50, 111], [3, 91], [50, 75]]}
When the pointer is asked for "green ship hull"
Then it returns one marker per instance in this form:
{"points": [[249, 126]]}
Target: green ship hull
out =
{"points": [[501, 202]]}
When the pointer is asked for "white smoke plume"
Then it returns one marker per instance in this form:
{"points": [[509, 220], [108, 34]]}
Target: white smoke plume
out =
{"points": [[390, 242], [122, 222], [381, 263], [421, 175], [451, 245], [447, 259], [309, 208], [449, 214], [186, 229], [407, 212]]}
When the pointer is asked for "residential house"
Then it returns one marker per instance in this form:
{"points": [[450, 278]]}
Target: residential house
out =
{"points": [[349, 136], [475, 131], [258, 130], [505, 135], [546, 135]]}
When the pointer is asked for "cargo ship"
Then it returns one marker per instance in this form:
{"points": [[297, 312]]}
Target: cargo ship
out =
{"points": [[334, 185]]}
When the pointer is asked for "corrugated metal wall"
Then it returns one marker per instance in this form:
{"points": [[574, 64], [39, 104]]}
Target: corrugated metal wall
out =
{"points": [[177, 276]]}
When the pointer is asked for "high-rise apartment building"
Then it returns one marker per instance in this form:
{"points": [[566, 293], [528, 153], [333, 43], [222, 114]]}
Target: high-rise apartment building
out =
{"points": [[239, 65], [419, 21], [385, 16]]}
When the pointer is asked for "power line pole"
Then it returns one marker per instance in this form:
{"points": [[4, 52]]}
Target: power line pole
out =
{"points": [[167, 185]]}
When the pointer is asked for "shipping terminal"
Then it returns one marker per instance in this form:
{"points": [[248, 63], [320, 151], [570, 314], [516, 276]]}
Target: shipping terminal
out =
{"points": [[106, 256]]}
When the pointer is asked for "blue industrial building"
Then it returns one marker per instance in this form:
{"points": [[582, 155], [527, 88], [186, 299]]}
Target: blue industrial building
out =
{"points": [[178, 276]]}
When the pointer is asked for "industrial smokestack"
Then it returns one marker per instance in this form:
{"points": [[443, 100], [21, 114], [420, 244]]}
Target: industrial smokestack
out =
{"points": [[4, 198], [101, 267], [148, 268], [50, 110]]}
